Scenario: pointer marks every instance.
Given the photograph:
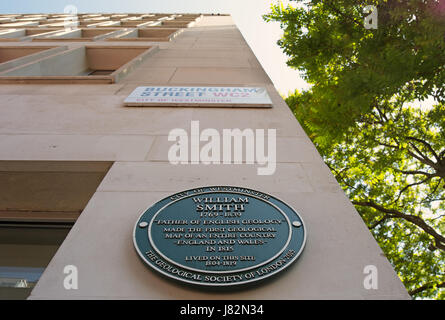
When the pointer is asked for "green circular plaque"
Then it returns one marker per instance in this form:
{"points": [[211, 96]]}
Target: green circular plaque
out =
{"points": [[219, 236]]}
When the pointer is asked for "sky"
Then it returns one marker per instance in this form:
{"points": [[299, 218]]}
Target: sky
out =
{"points": [[247, 14]]}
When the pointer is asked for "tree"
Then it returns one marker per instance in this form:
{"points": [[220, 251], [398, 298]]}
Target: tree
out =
{"points": [[386, 152]]}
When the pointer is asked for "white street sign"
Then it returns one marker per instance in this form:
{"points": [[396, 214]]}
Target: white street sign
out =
{"points": [[199, 96]]}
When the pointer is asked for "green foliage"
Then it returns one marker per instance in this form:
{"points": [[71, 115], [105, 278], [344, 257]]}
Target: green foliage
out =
{"points": [[386, 152]]}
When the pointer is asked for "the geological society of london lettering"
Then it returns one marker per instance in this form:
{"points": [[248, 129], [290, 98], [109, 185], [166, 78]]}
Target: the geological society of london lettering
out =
{"points": [[219, 236]]}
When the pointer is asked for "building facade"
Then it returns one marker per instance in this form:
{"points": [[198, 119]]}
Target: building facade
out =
{"points": [[79, 165]]}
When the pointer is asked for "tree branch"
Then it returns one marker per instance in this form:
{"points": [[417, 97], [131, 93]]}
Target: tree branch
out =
{"points": [[379, 222], [432, 192], [338, 175], [426, 287], [381, 114], [424, 160], [425, 144], [411, 185], [419, 222], [388, 145], [415, 172]]}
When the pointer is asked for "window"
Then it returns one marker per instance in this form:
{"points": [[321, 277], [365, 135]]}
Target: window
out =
{"points": [[39, 203], [80, 65]]}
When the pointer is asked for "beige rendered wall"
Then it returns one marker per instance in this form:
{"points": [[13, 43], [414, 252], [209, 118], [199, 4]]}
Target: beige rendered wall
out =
{"points": [[89, 122]]}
